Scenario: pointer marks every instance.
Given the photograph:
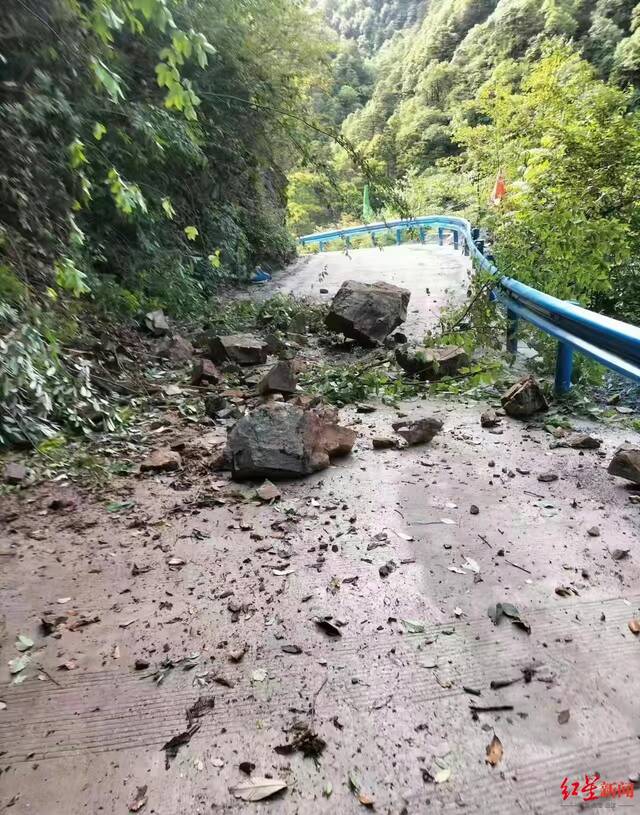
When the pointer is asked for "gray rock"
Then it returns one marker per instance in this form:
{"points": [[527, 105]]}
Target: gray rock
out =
{"points": [[157, 323], [418, 431], [580, 441], [524, 399], [205, 373], [367, 312], [489, 418], [176, 348], [15, 473], [431, 363], [243, 349], [384, 443], [626, 463], [280, 379], [281, 440]]}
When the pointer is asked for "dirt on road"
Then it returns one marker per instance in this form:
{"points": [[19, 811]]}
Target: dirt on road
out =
{"points": [[429, 629]]}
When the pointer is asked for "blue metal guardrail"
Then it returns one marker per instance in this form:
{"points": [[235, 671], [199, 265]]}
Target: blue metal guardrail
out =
{"points": [[610, 342]]}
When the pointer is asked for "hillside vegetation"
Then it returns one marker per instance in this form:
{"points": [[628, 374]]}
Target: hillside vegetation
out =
{"points": [[545, 92]]}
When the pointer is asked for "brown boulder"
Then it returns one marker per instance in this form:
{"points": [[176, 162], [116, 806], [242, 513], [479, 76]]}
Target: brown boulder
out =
{"points": [[205, 373], [524, 398], [176, 348], [626, 463]]}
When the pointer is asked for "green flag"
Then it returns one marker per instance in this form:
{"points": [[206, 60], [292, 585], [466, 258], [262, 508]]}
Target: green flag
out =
{"points": [[367, 212]]}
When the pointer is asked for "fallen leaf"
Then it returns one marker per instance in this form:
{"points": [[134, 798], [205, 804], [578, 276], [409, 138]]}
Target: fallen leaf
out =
{"points": [[327, 789], [3, 705], [494, 751], [563, 716], [456, 570], [471, 565], [140, 800], [328, 627], [176, 742], [197, 710], [256, 789], [619, 554], [63, 600], [413, 626], [447, 521], [18, 664], [23, 643], [118, 506], [442, 775], [565, 591], [283, 572], [403, 535]]}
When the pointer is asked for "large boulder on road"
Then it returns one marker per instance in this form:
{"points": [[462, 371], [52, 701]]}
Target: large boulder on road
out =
{"points": [[367, 312], [282, 440], [243, 349]]}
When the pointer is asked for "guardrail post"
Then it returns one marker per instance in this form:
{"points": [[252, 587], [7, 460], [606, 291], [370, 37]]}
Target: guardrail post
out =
{"points": [[321, 246], [440, 236], [512, 332], [564, 368], [398, 236], [373, 239], [455, 239], [423, 234], [347, 242]]}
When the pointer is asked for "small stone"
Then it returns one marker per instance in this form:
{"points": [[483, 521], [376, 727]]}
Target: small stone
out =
{"points": [[280, 379], [474, 510], [386, 568], [157, 323], [14, 473], [383, 443], [176, 348], [162, 460], [431, 363], [547, 478], [418, 431], [205, 373], [268, 491], [594, 532], [243, 349], [524, 398], [489, 418]]}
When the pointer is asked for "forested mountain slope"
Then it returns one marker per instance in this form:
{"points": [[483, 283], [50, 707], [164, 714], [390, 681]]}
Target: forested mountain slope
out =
{"points": [[371, 22]]}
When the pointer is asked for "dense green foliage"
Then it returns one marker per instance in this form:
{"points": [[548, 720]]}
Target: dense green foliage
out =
{"points": [[545, 92], [370, 23], [145, 144]]}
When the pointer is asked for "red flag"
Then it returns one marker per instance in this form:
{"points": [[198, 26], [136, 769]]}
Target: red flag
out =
{"points": [[499, 189]]}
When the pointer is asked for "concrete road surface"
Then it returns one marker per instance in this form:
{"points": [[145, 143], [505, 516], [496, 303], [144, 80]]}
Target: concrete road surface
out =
{"points": [[420, 690]]}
